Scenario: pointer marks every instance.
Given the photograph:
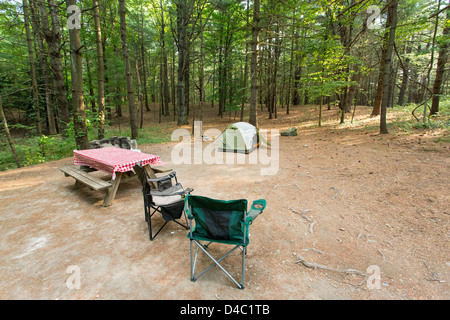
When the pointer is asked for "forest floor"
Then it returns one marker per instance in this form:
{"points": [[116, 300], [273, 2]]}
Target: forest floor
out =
{"points": [[344, 198]]}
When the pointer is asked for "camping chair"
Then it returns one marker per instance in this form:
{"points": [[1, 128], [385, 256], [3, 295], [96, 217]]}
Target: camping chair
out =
{"points": [[219, 221], [164, 195]]}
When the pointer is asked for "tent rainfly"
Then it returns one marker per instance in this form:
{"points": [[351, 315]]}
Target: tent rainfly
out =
{"points": [[241, 137]]}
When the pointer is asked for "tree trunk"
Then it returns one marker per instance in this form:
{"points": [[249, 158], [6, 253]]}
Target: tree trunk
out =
{"points": [[392, 24], [320, 110], [42, 61], [291, 63], [182, 55], [297, 75], [299, 56], [440, 69], [244, 84], [100, 73], [126, 57], [26, 16], [412, 88], [226, 72], [79, 116], [8, 135], [144, 68], [352, 92], [140, 92], [187, 84], [89, 75], [164, 76], [53, 38], [428, 76], [404, 84], [379, 93], [144, 72], [174, 90], [254, 65], [161, 93], [392, 85], [220, 69], [201, 78], [277, 52], [269, 84], [106, 83], [91, 87]]}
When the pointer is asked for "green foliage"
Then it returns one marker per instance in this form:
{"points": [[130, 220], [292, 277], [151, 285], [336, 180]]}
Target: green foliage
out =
{"points": [[35, 150], [149, 135], [407, 123], [442, 119], [324, 50]]}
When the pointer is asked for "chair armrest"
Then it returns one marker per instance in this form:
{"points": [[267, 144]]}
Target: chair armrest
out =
{"points": [[174, 190], [187, 209], [168, 176], [256, 209]]}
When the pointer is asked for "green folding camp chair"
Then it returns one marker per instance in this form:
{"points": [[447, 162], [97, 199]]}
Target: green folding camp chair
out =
{"points": [[218, 221]]}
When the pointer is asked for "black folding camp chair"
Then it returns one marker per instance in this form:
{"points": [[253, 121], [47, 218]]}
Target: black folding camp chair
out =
{"points": [[164, 195], [226, 222]]}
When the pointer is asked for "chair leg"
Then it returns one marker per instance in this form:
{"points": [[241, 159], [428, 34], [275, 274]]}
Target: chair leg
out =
{"points": [[215, 263], [149, 223], [148, 219], [193, 261], [150, 229], [146, 212], [244, 252], [186, 219]]}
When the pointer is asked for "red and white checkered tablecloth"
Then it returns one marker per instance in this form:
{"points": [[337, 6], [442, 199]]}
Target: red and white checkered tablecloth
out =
{"points": [[113, 159]]}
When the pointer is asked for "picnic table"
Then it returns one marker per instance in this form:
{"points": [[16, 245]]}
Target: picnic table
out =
{"points": [[115, 161]]}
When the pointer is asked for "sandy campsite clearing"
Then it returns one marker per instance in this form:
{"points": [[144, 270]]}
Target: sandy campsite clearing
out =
{"points": [[343, 198]]}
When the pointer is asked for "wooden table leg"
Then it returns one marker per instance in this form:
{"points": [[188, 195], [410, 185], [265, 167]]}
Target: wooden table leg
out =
{"points": [[150, 171], [111, 194], [151, 174]]}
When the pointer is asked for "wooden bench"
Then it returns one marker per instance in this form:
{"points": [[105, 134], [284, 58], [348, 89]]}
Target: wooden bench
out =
{"points": [[160, 169], [82, 177]]}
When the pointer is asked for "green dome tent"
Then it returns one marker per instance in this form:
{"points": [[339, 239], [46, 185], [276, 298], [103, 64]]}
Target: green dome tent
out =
{"points": [[241, 137]]}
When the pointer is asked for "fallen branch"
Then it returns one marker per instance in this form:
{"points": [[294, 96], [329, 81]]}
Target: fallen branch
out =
{"points": [[382, 254], [314, 266], [336, 192], [318, 251], [311, 227], [302, 214], [437, 280]]}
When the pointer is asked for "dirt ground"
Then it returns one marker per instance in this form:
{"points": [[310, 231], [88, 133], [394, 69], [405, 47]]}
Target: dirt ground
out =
{"points": [[343, 198]]}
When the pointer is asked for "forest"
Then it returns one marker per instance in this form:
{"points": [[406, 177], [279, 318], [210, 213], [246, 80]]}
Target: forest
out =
{"points": [[69, 68]]}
